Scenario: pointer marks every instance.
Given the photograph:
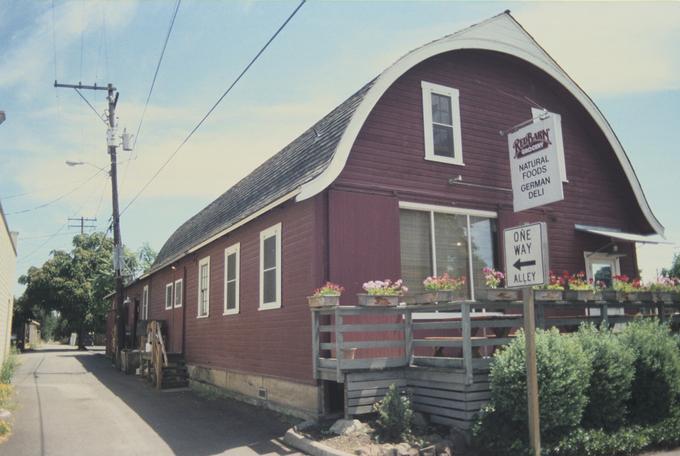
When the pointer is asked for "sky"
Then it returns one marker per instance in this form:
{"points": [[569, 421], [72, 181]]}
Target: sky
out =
{"points": [[624, 55]]}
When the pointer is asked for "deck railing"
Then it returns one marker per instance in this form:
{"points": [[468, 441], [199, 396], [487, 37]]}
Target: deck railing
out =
{"points": [[460, 335]]}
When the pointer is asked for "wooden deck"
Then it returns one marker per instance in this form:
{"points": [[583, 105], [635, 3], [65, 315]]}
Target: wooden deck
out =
{"points": [[440, 353]]}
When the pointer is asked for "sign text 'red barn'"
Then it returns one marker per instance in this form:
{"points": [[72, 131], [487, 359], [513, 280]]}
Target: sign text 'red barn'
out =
{"points": [[534, 165]]}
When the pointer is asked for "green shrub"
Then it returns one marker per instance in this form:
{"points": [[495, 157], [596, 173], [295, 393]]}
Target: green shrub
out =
{"points": [[596, 442], [656, 387], [611, 379], [563, 375], [665, 433], [394, 415], [626, 441]]}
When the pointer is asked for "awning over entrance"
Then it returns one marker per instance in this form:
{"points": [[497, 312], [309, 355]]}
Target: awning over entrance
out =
{"points": [[618, 234]]}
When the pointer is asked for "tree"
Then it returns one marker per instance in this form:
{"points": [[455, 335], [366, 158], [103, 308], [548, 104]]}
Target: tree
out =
{"points": [[145, 257], [74, 284], [674, 271]]}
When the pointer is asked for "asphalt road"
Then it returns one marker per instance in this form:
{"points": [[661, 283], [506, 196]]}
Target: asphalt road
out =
{"points": [[72, 403]]}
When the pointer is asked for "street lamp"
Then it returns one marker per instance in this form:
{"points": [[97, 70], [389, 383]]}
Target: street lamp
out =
{"points": [[80, 162]]}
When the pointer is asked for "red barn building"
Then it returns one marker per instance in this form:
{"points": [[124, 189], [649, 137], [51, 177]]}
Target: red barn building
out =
{"points": [[406, 178]]}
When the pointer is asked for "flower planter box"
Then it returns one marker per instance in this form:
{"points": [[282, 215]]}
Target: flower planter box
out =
{"points": [[368, 300], [503, 294], [548, 295], [622, 296], [667, 297], [582, 295], [323, 301], [435, 296]]}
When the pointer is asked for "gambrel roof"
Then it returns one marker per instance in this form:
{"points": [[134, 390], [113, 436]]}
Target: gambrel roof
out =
{"points": [[298, 163], [315, 159]]}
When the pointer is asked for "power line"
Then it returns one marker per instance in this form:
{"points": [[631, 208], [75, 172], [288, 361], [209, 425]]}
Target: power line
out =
{"points": [[60, 197], [82, 30], [210, 111], [52, 236], [43, 236], [158, 66], [101, 198], [54, 49], [89, 104], [153, 84], [31, 192]]}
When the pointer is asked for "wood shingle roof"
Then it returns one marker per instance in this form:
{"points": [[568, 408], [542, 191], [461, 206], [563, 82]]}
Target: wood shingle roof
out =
{"points": [[299, 162]]}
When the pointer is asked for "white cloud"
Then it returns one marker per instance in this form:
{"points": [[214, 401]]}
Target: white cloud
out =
{"points": [[610, 47], [28, 65], [222, 152]]}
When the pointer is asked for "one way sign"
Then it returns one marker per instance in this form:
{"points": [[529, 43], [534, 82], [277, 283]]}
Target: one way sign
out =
{"points": [[526, 255]]}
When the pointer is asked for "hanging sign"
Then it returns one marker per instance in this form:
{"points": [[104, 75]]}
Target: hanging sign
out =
{"points": [[526, 255], [534, 164]]}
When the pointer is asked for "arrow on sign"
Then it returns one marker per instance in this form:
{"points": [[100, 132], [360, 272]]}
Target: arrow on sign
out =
{"points": [[519, 264]]}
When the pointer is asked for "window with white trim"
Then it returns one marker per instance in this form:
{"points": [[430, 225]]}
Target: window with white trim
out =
{"points": [[231, 279], [203, 287], [168, 296], [557, 137], [179, 292], [270, 268], [441, 124], [145, 303], [437, 240]]}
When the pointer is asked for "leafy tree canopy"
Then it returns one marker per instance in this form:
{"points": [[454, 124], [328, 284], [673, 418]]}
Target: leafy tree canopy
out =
{"points": [[145, 258], [674, 270], [74, 284]]}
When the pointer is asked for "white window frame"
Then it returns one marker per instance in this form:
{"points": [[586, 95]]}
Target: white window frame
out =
{"points": [[203, 262], [428, 89], [536, 114], [591, 257], [265, 234], [145, 303], [434, 209], [169, 298], [232, 250], [179, 285]]}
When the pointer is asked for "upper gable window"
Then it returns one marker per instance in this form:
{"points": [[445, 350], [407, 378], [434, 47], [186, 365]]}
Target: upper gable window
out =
{"points": [[441, 123]]}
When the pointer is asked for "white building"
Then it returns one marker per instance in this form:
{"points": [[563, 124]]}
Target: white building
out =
{"points": [[8, 260]]}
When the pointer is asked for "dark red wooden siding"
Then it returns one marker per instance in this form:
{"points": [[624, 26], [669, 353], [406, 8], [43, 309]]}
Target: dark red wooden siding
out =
{"points": [[268, 342], [388, 155], [364, 234]]}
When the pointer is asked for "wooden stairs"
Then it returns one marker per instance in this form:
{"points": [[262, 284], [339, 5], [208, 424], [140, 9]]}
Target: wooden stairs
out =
{"points": [[173, 375]]}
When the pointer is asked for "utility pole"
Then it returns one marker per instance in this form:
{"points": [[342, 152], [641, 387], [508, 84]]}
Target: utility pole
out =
{"points": [[82, 222], [112, 98]]}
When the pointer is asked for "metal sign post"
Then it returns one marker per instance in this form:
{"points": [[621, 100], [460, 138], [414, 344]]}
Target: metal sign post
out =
{"points": [[526, 264]]}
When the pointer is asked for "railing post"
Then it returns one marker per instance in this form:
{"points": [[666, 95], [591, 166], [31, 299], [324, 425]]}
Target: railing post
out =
{"points": [[661, 310], [604, 315], [466, 329], [540, 314], [315, 343], [339, 354], [408, 336]]}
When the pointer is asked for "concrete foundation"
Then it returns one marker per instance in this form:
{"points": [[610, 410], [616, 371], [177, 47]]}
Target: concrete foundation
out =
{"points": [[285, 396]]}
